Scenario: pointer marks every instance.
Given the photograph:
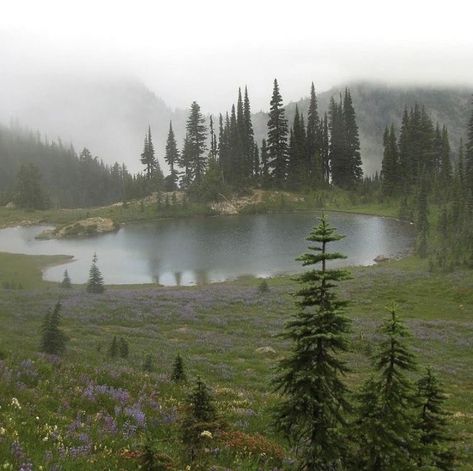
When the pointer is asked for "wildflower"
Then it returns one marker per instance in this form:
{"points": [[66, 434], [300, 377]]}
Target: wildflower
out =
{"points": [[15, 403], [206, 434]]}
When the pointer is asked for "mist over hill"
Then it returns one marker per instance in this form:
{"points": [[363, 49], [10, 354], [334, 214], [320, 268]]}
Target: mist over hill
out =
{"points": [[110, 117], [378, 105]]}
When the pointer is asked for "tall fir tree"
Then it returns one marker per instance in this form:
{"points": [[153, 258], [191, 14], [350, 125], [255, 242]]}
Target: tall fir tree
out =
{"points": [[196, 137], [469, 154], [172, 158], [249, 145], [277, 139], [352, 140], [313, 167], [29, 192], [95, 283], [314, 397], [298, 168], [390, 172], [147, 156]]}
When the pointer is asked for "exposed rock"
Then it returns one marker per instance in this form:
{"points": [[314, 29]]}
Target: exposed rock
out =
{"points": [[84, 228], [10, 205], [265, 350], [381, 258]]}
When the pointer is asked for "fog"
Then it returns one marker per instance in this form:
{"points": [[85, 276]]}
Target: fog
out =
{"points": [[53, 51]]}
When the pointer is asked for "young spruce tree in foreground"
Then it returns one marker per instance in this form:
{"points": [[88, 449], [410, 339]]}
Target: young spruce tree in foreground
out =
{"points": [[95, 283], [178, 374], [384, 431], [53, 339], [432, 424], [200, 420], [314, 397]]}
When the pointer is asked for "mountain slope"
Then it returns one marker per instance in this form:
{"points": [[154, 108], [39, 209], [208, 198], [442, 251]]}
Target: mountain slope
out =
{"points": [[110, 117]]}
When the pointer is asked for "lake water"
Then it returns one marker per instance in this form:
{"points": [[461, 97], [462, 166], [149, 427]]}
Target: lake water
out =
{"points": [[202, 250]]}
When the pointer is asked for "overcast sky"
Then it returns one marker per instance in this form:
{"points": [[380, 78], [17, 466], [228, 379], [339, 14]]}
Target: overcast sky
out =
{"points": [[204, 49]]}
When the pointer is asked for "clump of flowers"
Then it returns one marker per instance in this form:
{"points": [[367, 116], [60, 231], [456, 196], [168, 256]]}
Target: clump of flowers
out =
{"points": [[254, 445]]}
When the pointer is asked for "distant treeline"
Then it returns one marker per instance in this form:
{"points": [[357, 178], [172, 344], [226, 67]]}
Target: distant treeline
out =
{"points": [[65, 179], [308, 154]]}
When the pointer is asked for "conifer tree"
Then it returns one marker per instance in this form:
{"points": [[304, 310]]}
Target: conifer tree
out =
{"points": [[469, 154], [200, 419], [172, 158], [432, 424], [265, 172], [314, 397], [339, 164], [196, 136], [390, 172], [148, 363], [314, 140], [325, 149], [114, 347], [445, 170], [298, 168], [53, 339], [422, 220], [147, 157], [352, 139], [213, 153], [66, 281], [178, 373], [249, 145], [277, 139], [95, 283], [123, 348], [384, 429], [29, 193]]}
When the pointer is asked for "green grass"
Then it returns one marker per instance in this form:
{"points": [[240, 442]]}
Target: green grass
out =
{"points": [[25, 271], [218, 329]]}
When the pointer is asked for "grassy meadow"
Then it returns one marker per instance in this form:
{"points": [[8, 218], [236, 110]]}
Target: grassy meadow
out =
{"points": [[87, 411]]}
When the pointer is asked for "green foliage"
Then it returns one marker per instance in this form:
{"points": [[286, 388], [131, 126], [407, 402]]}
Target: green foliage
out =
{"points": [[95, 283], [432, 424], [277, 139], [178, 373], [148, 363], [263, 287], [29, 193], [200, 421], [385, 424], [114, 348], [314, 398], [123, 348], [53, 339]]}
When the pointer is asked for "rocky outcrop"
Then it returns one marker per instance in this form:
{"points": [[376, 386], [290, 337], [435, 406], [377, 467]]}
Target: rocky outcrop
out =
{"points": [[84, 228]]}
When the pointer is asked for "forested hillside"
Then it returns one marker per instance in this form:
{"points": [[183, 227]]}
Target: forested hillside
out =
{"points": [[377, 106], [111, 118], [69, 179]]}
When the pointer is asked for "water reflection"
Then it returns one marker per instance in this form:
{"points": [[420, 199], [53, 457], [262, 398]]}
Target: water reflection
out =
{"points": [[203, 250]]}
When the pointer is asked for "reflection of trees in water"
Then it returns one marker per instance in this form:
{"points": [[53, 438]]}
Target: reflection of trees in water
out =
{"points": [[178, 278], [154, 268]]}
